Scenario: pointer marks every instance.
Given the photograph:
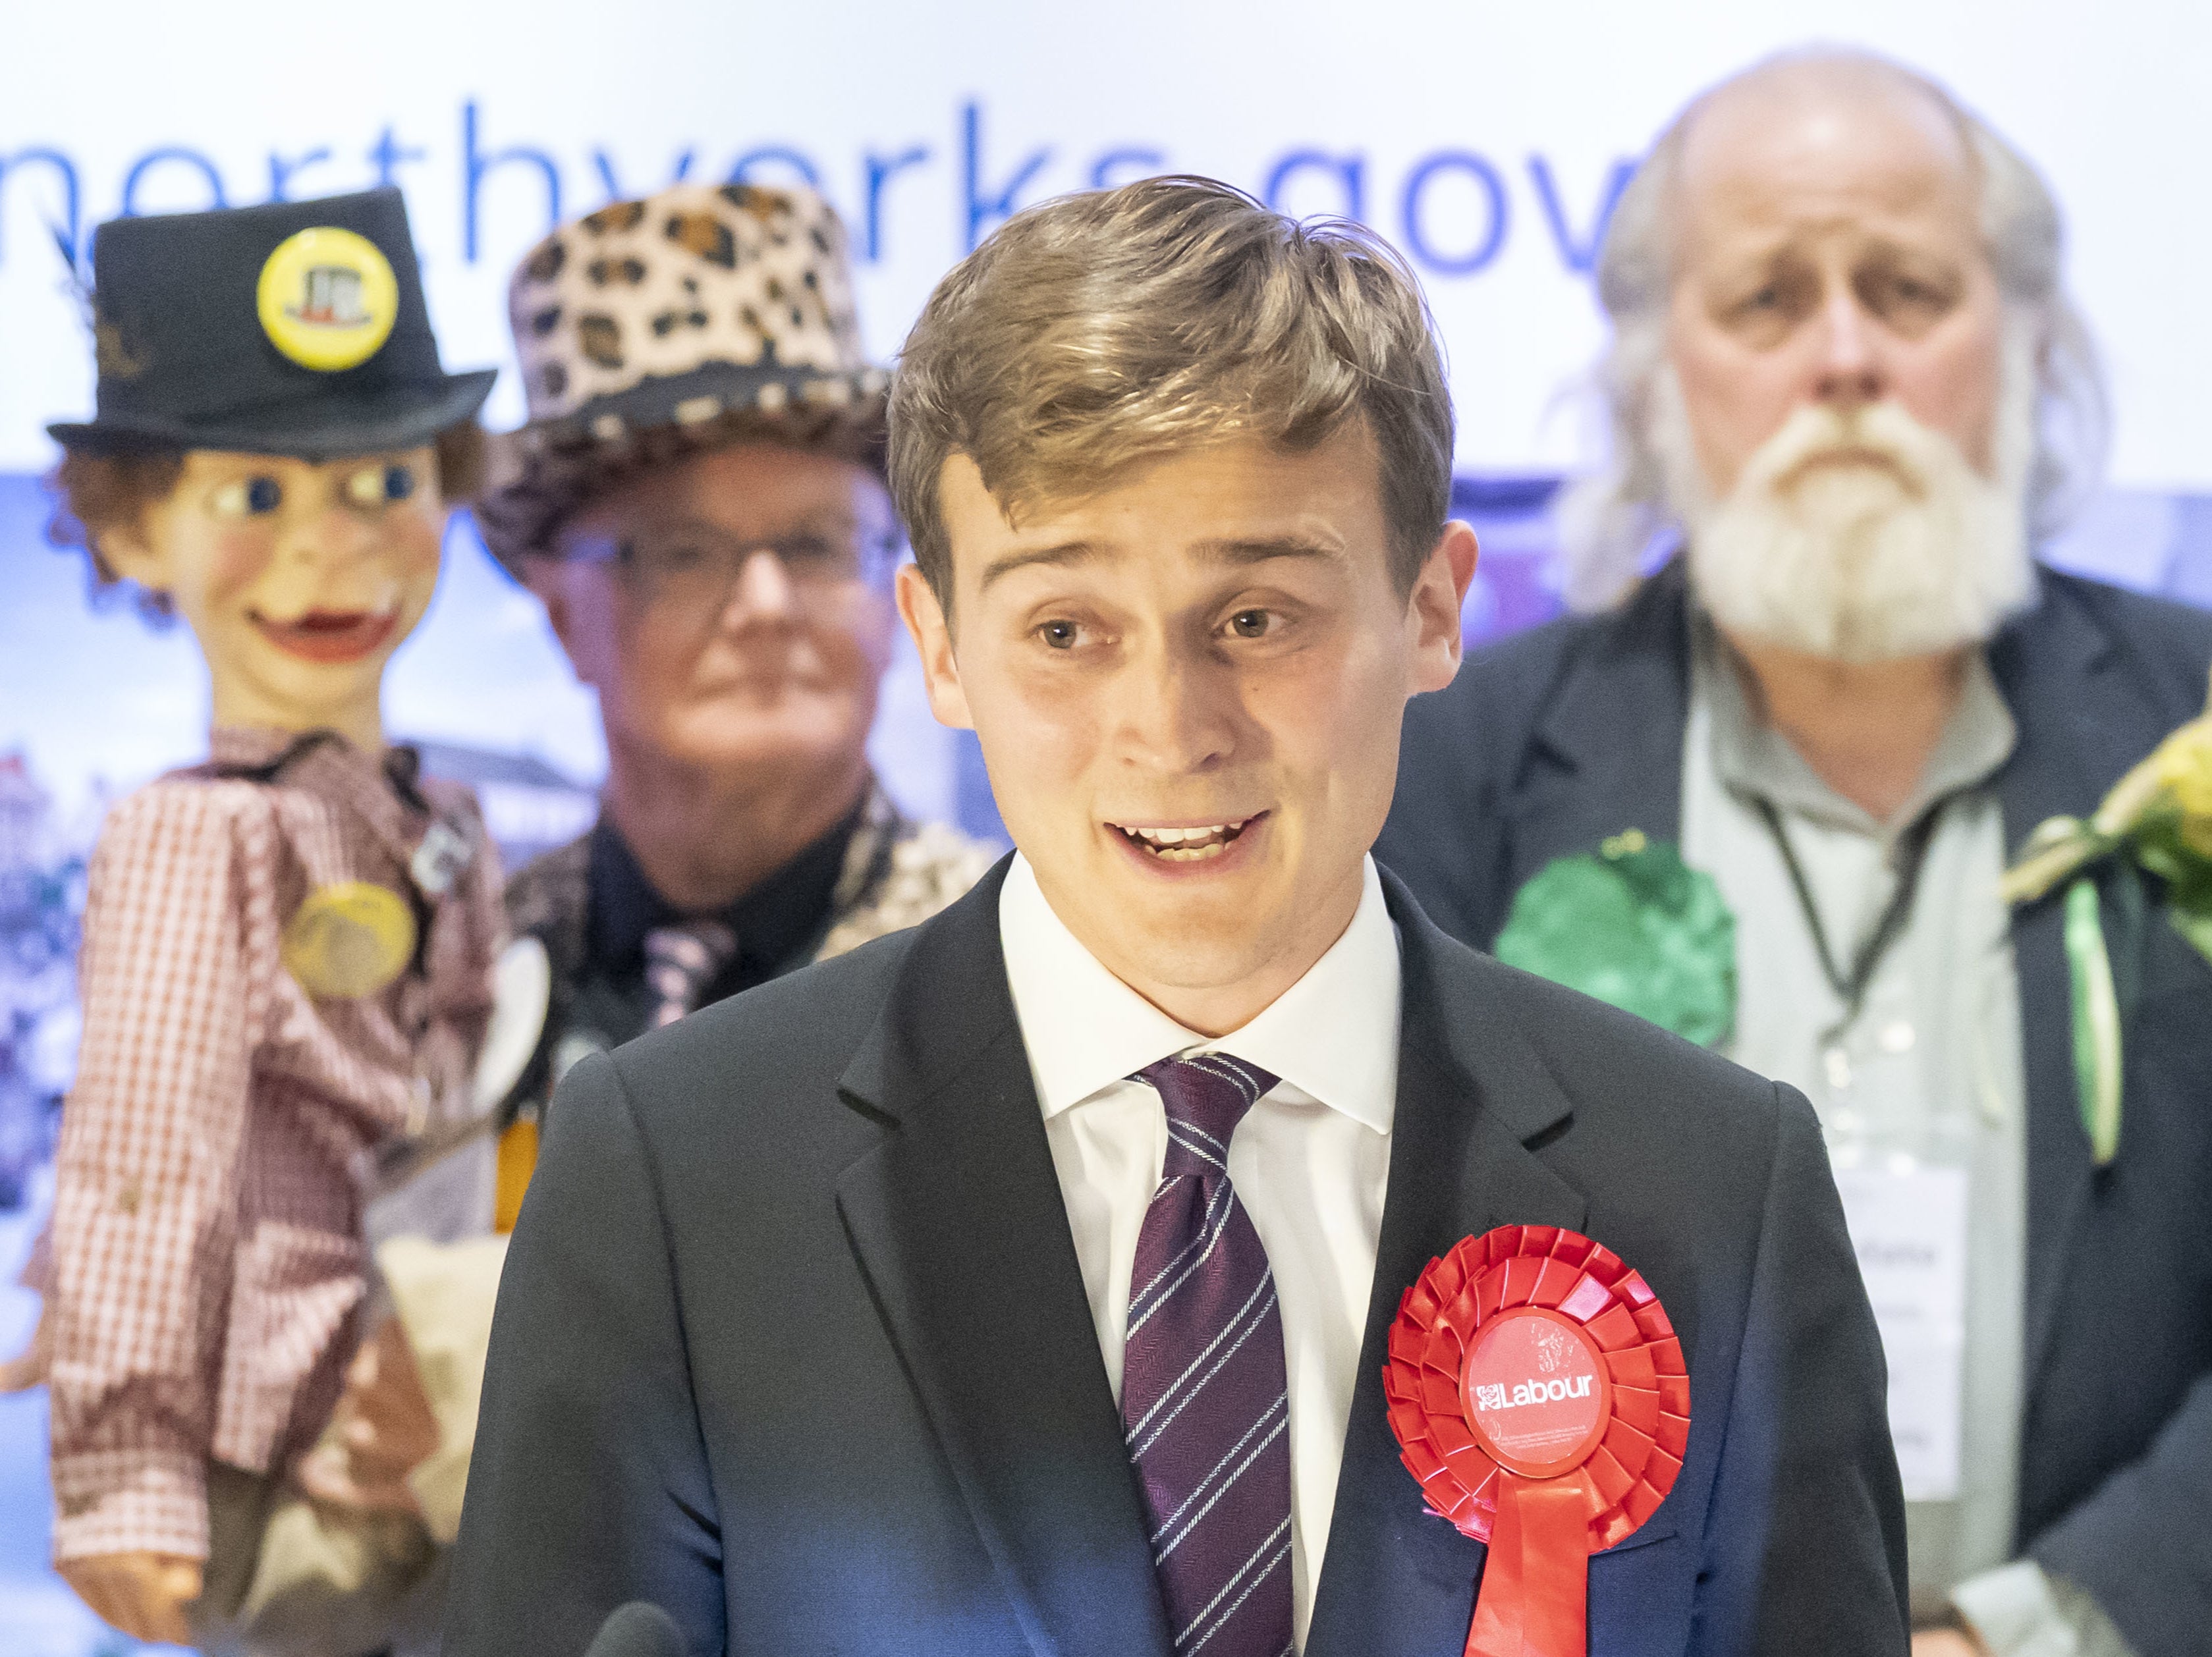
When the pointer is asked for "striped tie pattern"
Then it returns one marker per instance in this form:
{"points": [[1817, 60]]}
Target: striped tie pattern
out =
{"points": [[681, 961], [1205, 1401]]}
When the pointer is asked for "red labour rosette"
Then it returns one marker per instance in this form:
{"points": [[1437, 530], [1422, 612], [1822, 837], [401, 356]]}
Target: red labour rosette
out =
{"points": [[1538, 1393]]}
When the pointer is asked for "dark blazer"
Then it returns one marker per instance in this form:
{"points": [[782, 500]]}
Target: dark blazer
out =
{"points": [[793, 1340], [1549, 743]]}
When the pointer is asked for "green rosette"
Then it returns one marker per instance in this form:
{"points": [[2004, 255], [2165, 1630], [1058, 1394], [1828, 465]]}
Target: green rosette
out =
{"points": [[1635, 927]]}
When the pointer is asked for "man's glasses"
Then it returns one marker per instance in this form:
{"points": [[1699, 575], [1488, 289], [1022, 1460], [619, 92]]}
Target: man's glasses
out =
{"points": [[695, 567]]}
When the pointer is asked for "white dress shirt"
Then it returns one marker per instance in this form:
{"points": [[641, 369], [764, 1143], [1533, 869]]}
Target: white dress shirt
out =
{"points": [[1310, 1162]]}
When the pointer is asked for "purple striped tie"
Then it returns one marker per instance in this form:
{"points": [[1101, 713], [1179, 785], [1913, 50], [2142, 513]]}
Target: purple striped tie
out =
{"points": [[1205, 1402]]}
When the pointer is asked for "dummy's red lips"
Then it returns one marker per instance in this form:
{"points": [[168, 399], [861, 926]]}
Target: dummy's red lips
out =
{"points": [[331, 635]]}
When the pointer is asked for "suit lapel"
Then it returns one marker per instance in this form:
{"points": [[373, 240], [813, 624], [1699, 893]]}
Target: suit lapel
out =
{"points": [[1607, 753], [958, 1223], [2074, 742], [1471, 1093]]}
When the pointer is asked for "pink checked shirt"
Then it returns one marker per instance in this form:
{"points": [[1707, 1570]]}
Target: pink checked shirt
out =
{"points": [[216, 1150]]}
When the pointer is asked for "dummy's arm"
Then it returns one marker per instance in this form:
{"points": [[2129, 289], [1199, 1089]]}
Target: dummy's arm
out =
{"points": [[146, 1191]]}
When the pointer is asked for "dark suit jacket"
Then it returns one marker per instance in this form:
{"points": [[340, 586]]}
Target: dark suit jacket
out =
{"points": [[793, 1340], [1550, 742]]}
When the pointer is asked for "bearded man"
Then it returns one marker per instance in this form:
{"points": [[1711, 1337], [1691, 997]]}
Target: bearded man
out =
{"points": [[1845, 370]]}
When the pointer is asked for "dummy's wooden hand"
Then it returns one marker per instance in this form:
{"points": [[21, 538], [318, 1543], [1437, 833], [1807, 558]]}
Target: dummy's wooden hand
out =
{"points": [[1947, 1642], [382, 1431], [27, 1368], [143, 1595]]}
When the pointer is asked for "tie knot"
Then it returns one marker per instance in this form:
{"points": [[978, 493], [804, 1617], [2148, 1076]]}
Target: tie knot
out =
{"points": [[681, 961], [1206, 1096]]}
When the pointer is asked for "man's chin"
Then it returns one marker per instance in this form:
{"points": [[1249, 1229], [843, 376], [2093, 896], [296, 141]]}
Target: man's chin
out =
{"points": [[1186, 925]]}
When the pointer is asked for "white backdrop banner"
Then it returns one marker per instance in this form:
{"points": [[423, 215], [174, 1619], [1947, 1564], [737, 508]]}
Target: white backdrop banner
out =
{"points": [[1487, 139]]}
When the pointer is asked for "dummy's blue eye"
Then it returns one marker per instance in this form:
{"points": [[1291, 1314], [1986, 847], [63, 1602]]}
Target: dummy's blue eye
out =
{"points": [[249, 497], [373, 486]]}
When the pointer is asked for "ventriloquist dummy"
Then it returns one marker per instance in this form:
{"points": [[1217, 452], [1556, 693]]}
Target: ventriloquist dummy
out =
{"points": [[289, 949]]}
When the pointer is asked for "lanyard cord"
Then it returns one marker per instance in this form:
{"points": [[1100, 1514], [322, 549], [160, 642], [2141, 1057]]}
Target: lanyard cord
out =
{"points": [[1852, 986]]}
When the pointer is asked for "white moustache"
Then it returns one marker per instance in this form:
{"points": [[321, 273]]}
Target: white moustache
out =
{"points": [[1861, 534]]}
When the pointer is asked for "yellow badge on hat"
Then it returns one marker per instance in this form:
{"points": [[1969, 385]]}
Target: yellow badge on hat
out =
{"points": [[328, 298], [348, 939]]}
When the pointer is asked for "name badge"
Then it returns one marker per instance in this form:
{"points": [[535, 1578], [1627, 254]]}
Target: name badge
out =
{"points": [[1908, 1226]]}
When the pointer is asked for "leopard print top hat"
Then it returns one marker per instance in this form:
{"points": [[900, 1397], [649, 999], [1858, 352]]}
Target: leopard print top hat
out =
{"points": [[652, 329]]}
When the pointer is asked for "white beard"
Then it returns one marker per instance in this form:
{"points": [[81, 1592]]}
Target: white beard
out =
{"points": [[1854, 559]]}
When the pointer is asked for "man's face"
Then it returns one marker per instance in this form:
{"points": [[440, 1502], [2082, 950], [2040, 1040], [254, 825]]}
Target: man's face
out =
{"points": [[298, 579], [731, 610], [1829, 254], [1187, 687]]}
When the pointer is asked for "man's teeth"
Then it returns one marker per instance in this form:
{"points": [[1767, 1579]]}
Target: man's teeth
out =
{"points": [[1187, 845]]}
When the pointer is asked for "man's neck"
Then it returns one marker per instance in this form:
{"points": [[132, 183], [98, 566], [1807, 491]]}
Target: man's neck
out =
{"points": [[1867, 728], [705, 838], [1219, 1009]]}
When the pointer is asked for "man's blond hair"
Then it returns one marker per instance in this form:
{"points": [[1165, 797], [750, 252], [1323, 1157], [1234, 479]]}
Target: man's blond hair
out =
{"points": [[1098, 332]]}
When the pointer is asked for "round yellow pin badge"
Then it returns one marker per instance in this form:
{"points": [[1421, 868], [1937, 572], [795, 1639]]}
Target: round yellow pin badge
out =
{"points": [[348, 939], [328, 298]]}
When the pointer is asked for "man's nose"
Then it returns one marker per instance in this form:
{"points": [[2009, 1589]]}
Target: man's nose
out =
{"points": [[1849, 370], [1179, 711], [762, 592]]}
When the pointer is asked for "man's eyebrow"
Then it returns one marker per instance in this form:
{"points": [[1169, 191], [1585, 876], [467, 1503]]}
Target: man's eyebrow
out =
{"points": [[1257, 550], [1230, 551], [1067, 552]]}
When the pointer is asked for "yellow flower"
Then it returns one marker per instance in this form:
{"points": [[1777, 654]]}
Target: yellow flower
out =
{"points": [[2183, 766]]}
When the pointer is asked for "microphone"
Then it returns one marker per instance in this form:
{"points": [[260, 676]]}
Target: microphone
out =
{"points": [[638, 1630]]}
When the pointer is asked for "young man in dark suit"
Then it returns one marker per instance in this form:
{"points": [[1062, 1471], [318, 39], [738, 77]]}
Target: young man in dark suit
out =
{"points": [[1844, 366], [1024, 1283]]}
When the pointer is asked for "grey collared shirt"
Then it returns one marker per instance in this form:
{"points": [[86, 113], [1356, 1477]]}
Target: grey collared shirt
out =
{"points": [[1929, 1072]]}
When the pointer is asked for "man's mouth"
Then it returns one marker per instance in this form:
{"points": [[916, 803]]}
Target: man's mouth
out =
{"points": [[330, 635], [1192, 844], [1849, 455]]}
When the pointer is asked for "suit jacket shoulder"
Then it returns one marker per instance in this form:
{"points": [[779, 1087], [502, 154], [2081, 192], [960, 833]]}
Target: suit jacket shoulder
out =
{"points": [[2164, 645], [743, 1067]]}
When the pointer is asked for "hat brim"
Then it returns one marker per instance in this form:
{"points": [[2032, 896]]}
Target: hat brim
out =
{"points": [[552, 466], [361, 421]]}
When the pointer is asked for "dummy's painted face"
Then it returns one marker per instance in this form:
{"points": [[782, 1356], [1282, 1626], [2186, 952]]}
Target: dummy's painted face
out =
{"points": [[299, 579], [1829, 251], [731, 610], [1188, 688]]}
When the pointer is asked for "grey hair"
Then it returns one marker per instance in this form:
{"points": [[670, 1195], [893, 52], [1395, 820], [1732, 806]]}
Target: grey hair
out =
{"points": [[1609, 519]]}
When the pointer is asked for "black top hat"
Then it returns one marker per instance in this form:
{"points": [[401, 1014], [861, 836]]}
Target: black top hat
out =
{"points": [[295, 329]]}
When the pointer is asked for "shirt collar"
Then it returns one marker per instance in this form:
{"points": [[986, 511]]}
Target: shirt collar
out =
{"points": [[1750, 756], [1333, 1036], [384, 789], [772, 921]]}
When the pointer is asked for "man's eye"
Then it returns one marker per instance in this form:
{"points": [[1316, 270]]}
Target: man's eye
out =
{"points": [[248, 497], [373, 486], [674, 557], [804, 551], [1060, 635], [1249, 623]]}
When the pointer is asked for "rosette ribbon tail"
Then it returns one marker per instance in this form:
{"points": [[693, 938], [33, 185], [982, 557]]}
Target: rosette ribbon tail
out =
{"points": [[1536, 1585], [2097, 1056]]}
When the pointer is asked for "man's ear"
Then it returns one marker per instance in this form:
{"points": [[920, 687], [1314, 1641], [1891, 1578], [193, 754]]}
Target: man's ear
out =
{"points": [[541, 572], [932, 641], [1439, 593]]}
